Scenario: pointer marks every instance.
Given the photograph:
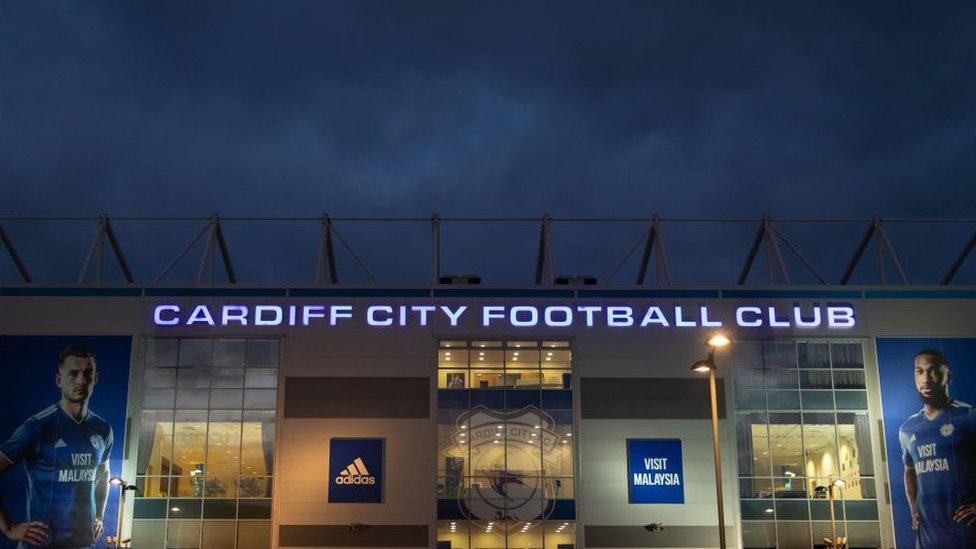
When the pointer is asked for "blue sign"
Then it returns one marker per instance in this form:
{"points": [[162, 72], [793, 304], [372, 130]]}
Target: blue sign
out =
{"points": [[356, 470], [654, 473]]}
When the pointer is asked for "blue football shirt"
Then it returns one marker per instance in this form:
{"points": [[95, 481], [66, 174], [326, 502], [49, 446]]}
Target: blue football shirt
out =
{"points": [[62, 458], [943, 453]]}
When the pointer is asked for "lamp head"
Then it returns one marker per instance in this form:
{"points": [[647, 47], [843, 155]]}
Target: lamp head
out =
{"points": [[839, 483], [116, 481], [703, 366], [718, 340]]}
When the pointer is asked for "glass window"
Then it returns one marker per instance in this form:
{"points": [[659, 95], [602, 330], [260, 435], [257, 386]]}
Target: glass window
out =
{"points": [[206, 448], [196, 352], [846, 355], [262, 353], [758, 534], [788, 458], [253, 534], [512, 428], [155, 441], [152, 533], [813, 355], [229, 352], [162, 353]]}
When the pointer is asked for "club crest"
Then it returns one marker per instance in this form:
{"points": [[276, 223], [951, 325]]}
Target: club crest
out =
{"points": [[947, 430], [507, 478]]}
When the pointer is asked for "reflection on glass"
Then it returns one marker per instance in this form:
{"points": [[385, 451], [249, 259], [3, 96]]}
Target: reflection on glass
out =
{"points": [[506, 467], [199, 445]]}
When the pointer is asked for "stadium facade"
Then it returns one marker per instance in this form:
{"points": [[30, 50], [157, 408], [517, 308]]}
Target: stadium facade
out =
{"points": [[481, 417]]}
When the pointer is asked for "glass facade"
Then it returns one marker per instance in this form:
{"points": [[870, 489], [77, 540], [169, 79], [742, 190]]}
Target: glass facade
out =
{"points": [[206, 443], [505, 463], [802, 420]]}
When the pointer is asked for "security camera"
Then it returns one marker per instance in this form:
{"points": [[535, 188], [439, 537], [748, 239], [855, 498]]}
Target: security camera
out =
{"points": [[654, 527]]}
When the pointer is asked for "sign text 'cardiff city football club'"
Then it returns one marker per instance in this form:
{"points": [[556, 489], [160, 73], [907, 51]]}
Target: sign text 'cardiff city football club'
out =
{"points": [[518, 316]]}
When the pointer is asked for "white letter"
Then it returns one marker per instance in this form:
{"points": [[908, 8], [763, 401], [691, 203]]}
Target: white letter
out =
{"points": [[455, 316], [773, 323], [533, 316], [200, 314], [489, 312], [259, 315], [590, 311], [566, 312], [840, 317], [339, 311], [620, 316], [371, 315], [226, 315], [803, 323], [423, 310], [704, 318], [654, 315], [680, 322], [158, 315], [312, 311], [740, 317]]}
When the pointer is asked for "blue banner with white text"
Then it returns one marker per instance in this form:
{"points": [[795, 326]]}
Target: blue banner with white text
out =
{"points": [[654, 471]]}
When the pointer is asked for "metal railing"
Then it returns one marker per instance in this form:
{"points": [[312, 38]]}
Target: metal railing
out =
{"points": [[630, 250]]}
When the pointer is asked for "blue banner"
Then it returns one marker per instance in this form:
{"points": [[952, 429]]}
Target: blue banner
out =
{"points": [[62, 427], [356, 470], [927, 386], [654, 471]]}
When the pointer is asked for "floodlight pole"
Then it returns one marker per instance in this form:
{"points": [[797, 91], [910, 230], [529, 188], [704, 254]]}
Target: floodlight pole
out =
{"points": [[717, 449]]}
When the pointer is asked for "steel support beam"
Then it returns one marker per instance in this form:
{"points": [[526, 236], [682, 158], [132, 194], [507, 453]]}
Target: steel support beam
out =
{"points": [[96, 253], [654, 243], [360, 262], [764, 237], [8, 243], [950, 274], [326, 258], [543, 266], [435, 242], [883, 248]]}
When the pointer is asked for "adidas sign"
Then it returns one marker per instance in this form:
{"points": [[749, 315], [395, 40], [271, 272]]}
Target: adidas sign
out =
{"points": [[355, 473]]}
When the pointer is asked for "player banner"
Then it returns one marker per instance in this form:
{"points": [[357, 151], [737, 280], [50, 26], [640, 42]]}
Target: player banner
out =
{"points": [[62, 427], [927, 386]]}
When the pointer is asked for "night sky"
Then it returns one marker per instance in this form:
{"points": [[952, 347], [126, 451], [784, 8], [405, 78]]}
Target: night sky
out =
{"points": [[690, 109]]}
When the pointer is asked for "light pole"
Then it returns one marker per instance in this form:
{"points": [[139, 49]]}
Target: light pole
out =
{"points": [[834, 541], [708, 366], [123, 488]]}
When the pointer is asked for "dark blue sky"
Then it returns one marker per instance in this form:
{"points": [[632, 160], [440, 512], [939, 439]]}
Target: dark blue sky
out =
{"points": [[497, 108]]}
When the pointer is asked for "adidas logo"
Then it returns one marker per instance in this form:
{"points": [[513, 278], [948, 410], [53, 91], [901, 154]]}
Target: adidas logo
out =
{"points": [[355, 473], [60, 443]]}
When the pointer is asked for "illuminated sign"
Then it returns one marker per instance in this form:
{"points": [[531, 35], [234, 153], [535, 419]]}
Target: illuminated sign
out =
{"points": [[356, 470], [654, 471], [515, 316]]}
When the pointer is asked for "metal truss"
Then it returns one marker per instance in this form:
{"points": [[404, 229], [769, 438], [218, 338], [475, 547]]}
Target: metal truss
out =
{"points": [[652, 267]]}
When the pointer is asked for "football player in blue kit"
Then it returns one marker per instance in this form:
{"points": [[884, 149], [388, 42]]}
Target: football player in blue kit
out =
{"points": [[64, 449], [939, 452]]}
